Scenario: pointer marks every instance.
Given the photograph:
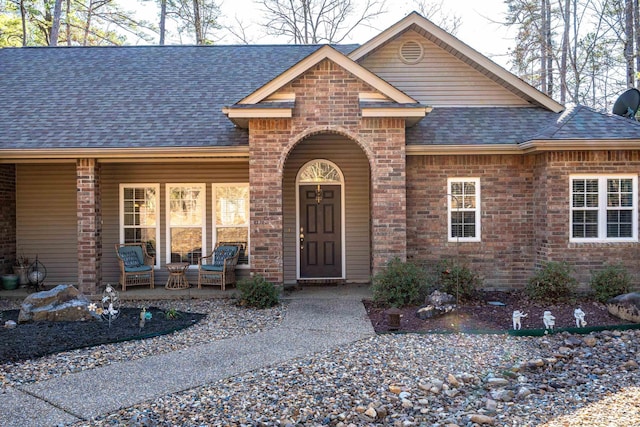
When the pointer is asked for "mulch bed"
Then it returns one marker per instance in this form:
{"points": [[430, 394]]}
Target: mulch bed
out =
{"points": [[37, 339], [480, 316]]}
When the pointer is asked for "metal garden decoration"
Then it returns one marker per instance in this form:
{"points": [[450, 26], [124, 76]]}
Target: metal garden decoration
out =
{"points": [[110, 302]]}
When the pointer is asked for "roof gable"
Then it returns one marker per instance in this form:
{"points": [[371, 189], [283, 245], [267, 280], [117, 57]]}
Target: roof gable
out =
{"points": [[327, 52], [461, 51]]}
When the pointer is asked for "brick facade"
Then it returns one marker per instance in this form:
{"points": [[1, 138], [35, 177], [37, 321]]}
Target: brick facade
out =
{"points": [[327, 101], [7, 217], [552, 210], [89, 225], [505, 254], [524, 213]]}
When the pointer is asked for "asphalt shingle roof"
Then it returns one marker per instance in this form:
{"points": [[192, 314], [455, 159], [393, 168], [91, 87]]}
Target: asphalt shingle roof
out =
{"points": [[115, 97], [478, 126], [581, 122], [172, 96]]}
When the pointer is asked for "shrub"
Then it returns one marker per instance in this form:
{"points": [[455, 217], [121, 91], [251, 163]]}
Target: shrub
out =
{"points": [[614, 280], [400, 284], [172, 314], [257, 292], [457, 279], [552, 283]]}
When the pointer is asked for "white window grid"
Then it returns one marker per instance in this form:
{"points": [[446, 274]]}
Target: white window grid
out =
{"points": [[599, 201], [201, 224], [461, 203], [228, 223], [123, 227]]}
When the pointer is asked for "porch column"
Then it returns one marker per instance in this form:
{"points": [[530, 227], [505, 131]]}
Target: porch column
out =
{"points": [[7, 217], [267, 139], [388, 192], [89, 225]]}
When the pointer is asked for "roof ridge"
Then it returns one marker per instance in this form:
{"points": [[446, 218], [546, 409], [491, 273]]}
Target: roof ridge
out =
{"points": [[181, 46]]}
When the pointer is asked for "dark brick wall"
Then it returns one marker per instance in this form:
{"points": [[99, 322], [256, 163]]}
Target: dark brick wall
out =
{"points": [[524, 209], [7, 217]]}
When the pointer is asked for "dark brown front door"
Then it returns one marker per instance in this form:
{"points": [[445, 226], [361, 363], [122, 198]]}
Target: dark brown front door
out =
{"points": [[320, 231]]}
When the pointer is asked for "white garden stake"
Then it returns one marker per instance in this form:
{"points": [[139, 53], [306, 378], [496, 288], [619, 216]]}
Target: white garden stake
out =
{"points": [[549, 320], [517, 315], [579, 315]]}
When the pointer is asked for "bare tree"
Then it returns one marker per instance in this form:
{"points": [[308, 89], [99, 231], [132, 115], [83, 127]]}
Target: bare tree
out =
{"points": [[55, 27], [436, 12], [197, 22], [628, 42], [195, 17], [68, 22], [163, 20], [318, 21], [23, 16], [636, 29], [240, 31], [565, 10]]}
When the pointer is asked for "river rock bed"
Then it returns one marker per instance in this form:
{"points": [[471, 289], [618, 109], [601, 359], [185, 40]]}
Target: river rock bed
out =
{"points": [[441, 380], [224, 319]]}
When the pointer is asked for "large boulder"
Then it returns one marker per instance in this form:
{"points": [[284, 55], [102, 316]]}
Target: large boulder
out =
{"points": [[437, 304], [64, 303], [626, 306]]}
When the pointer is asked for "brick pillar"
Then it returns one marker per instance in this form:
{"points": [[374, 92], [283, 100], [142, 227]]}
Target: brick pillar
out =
{"points": [[266, 141], [389, 192], [7, 217], [89, 225]]}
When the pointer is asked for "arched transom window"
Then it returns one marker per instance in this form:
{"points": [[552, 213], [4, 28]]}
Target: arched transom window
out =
{"points": [[320, 171]]}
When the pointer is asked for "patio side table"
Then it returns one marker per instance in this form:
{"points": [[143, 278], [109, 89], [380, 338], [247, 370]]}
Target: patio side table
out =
{"points": [[177, 278]]}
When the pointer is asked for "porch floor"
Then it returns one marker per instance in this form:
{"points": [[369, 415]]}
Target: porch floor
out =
{"points": [[356, 291], [137, 293]]}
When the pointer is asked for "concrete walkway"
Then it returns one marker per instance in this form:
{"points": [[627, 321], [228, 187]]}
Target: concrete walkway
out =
{"points": [[317, 319]]}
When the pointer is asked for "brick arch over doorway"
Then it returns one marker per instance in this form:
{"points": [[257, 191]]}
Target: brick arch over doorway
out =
{"points": [[354, 165], [327, 97]]}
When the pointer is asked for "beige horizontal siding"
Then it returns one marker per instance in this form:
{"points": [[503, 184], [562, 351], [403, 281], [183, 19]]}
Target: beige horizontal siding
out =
{"points": [[439, 79], [355, 168], [46, 223], [114, 174]]}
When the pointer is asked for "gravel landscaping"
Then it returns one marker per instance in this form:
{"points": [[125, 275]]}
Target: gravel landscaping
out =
{"points": [[223, 320], [428, 380], [451, 379]]}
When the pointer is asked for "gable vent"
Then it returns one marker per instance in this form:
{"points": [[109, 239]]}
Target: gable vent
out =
{"points": [[411, 52]]}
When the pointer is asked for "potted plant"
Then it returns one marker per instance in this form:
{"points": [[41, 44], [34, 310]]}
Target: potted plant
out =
{"points": [[21, 269], [9, 281]]}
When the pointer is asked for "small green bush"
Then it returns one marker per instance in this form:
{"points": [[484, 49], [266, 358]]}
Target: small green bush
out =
{"points": [[257, 292], [457, 279], [400, 284], [552, 283], [172, 314], [612, 281]]}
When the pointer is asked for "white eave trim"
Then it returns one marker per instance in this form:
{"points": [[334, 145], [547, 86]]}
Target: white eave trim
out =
{"points": [[528, 147], [396, 112], [138, 154], [257, 113], [444, 150], [473, 55], [327, 52], [580, 145]]}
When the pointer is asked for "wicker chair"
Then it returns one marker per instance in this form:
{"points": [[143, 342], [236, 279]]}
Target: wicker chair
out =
{"points": [[136, 265], [219, 268]]}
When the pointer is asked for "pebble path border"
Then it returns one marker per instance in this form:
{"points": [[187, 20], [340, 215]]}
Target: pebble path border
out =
{"points": [[397, 380]]}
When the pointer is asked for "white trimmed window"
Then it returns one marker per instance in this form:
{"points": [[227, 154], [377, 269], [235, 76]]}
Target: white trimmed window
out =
{"points": [[604, 208], [231, 217], [464, 209], [139, 204], [186, 219]]}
